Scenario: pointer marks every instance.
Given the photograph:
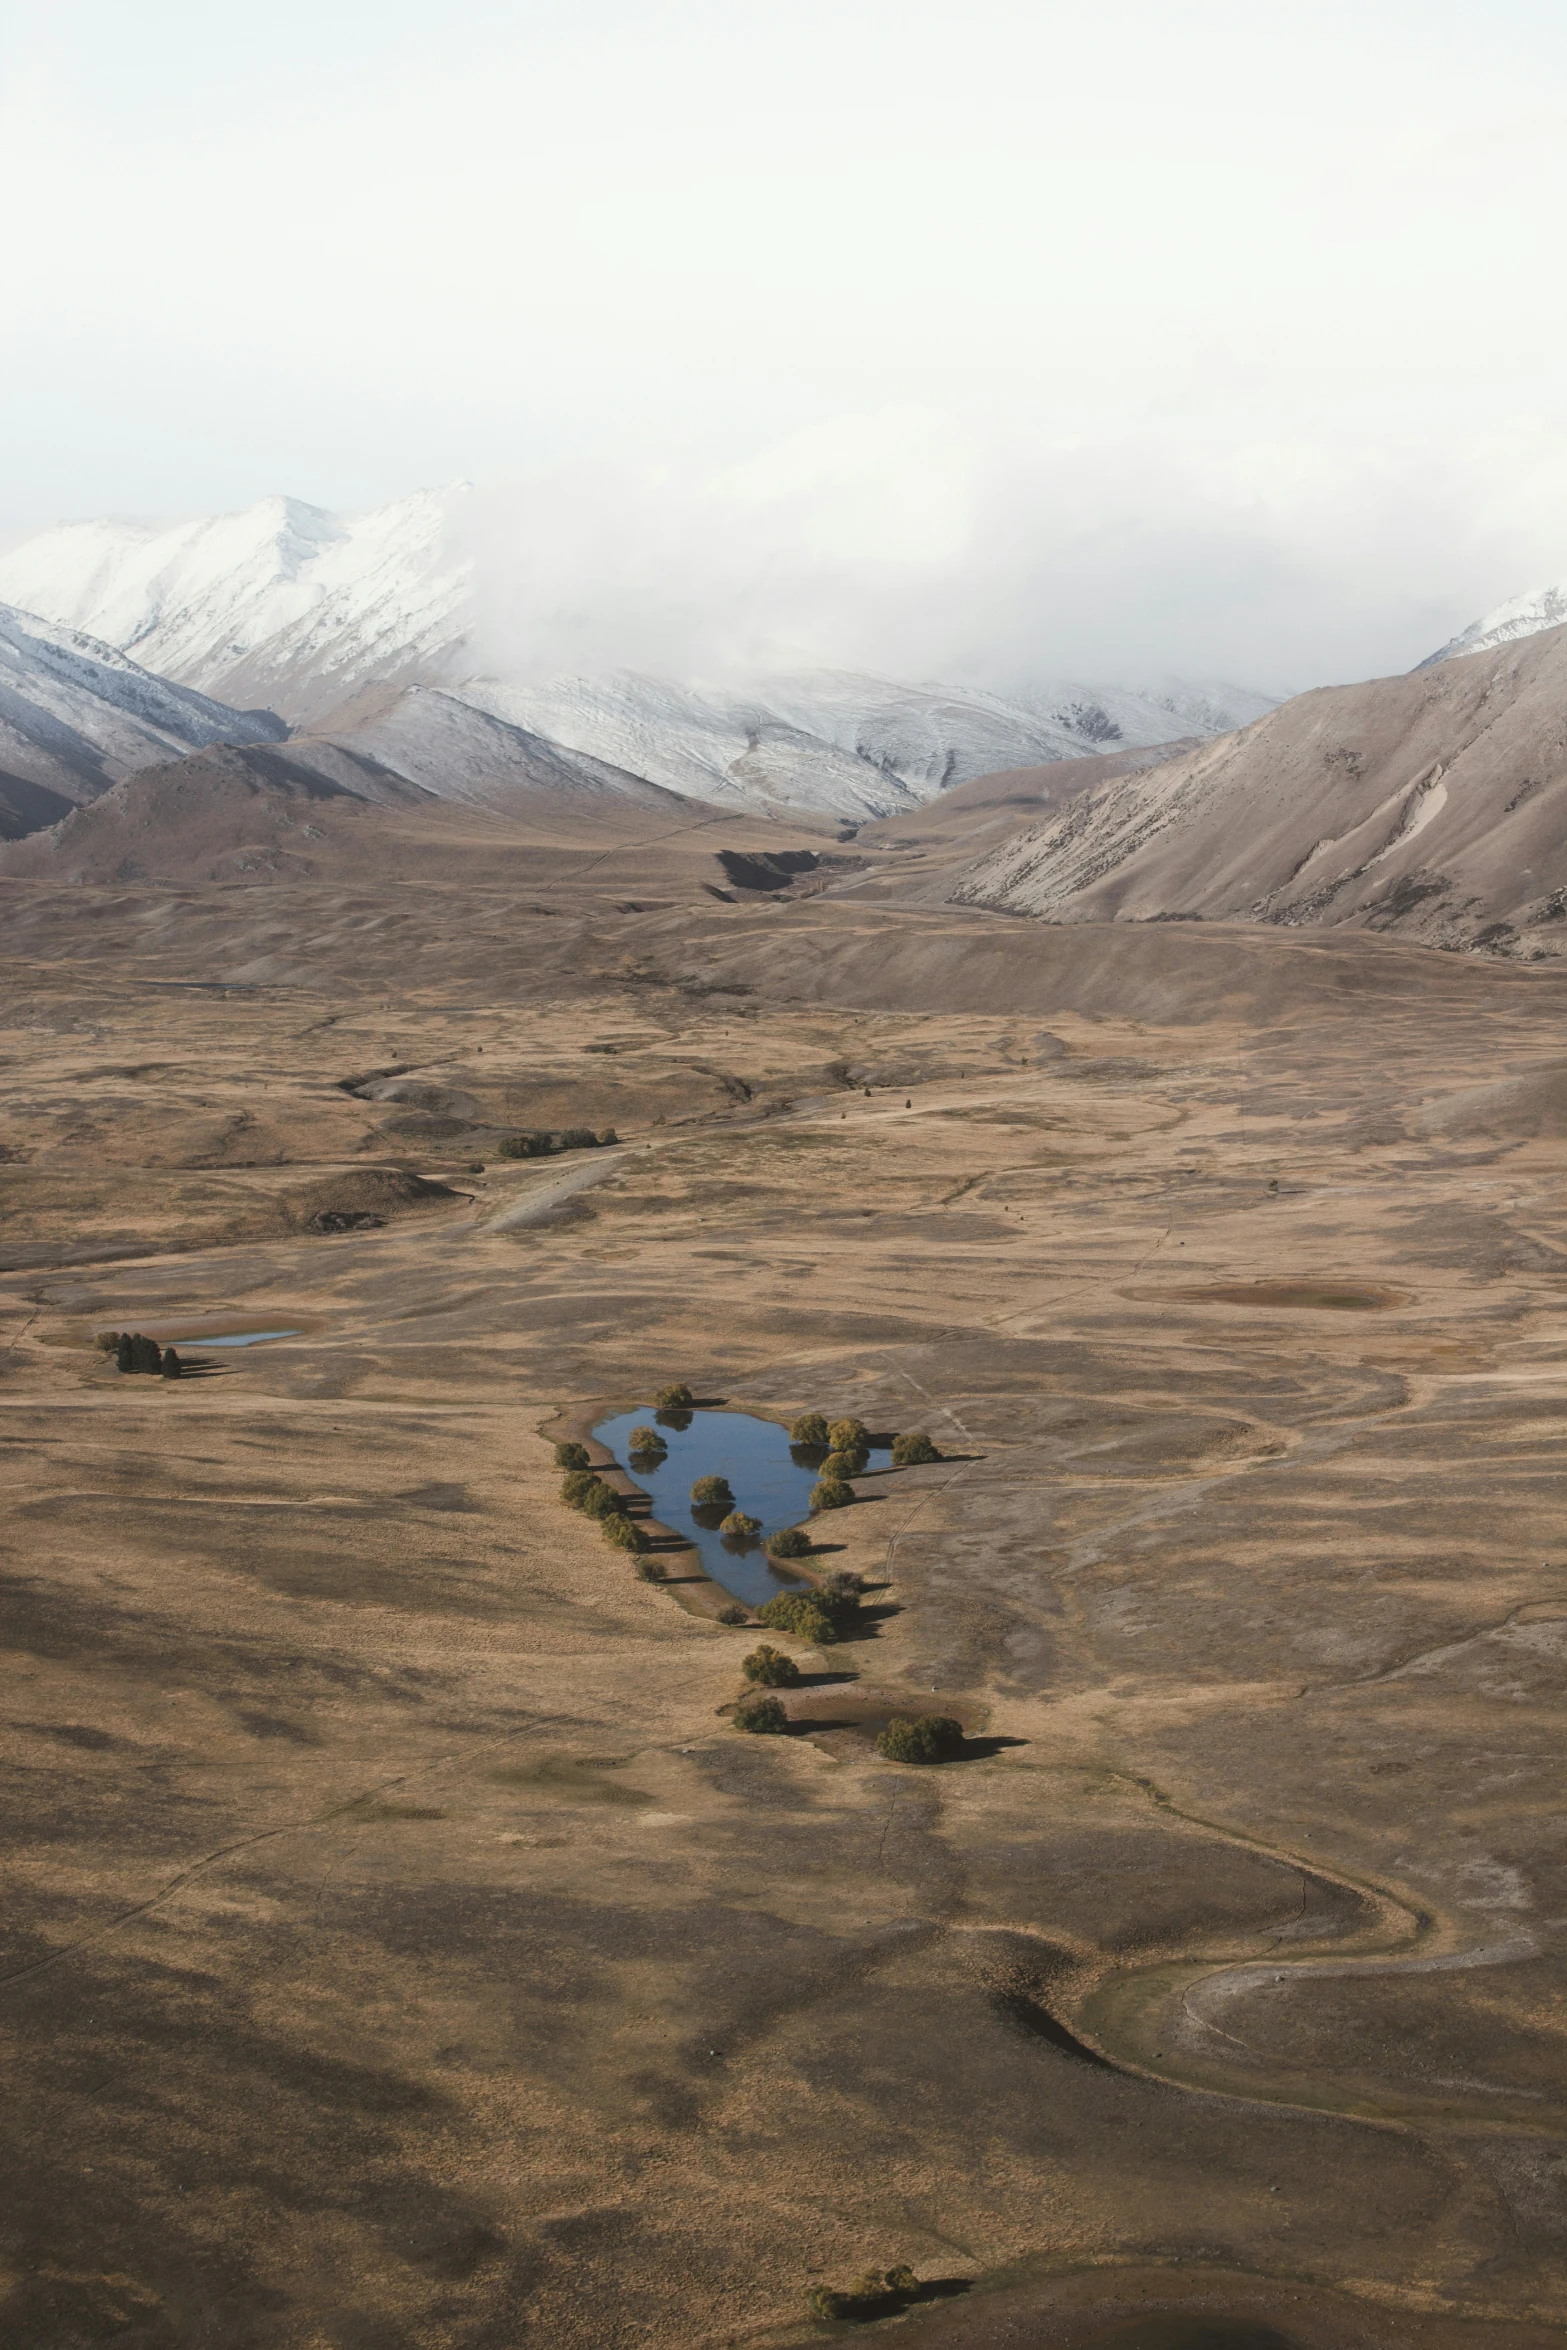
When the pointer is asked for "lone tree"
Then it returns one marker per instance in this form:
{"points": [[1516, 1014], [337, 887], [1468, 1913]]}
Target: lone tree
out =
{"points": [[831, 1493], [791, 1543], [171, 1366], [909, 1451], [674, 1399], [711, 1489], [734, 1614], [929, 1738], [848, 1436], [763, 1716], [737, 1522], [811, 1428], [644, 1439], [571, 1456], [770, 1668]]}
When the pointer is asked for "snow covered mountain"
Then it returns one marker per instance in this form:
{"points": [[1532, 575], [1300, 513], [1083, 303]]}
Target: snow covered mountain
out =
{"points": [[838, 742], [76, 716], [282, 604], [308, 612], [1525, 616]]}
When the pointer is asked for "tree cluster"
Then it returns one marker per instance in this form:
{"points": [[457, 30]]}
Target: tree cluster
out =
{"points": [[762, 1716], [133, 1352], [585, 1490], [537, 1144], [674, 1399], [770, 1668], [928, 1738], [909, 1451], [878, 2293]]}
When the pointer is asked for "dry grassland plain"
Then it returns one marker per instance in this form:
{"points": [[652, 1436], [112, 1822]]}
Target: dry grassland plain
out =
{"points": [[403, 1951]]}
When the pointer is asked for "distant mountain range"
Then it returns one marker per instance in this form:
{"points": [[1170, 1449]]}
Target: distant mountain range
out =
{"points": [[314, 615]]}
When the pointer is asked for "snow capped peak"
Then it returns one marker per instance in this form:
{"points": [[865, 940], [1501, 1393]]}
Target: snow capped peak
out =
{"points": [[278, 600], [1524, 615]]}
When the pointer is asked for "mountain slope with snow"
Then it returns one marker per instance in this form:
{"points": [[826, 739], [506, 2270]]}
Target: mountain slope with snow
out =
{"points": [[290, 606], [1433, 804], [76, 716], [1526, 615], [282, 604]]}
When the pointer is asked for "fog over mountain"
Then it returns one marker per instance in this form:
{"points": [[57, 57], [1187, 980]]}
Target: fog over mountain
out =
{"points": [[303, 611]]}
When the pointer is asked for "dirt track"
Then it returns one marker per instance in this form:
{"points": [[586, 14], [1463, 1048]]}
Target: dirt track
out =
{"points": [[403, 1950]]}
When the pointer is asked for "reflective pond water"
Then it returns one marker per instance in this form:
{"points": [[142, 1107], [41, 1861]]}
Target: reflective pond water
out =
{"points": [[238, 1338], [770, 1478]]}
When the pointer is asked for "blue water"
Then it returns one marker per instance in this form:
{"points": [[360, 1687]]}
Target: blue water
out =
{"points": [[240, 1338], [770, 1477]]}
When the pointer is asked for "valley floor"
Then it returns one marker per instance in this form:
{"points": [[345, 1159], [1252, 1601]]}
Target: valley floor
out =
{"points": [[403, 1952]]}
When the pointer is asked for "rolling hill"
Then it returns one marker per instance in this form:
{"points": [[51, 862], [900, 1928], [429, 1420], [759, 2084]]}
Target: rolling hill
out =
{"points": [[1431, 805]]}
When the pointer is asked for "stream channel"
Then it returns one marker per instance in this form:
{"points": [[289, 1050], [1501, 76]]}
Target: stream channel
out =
{"points": [[770, 1478]]}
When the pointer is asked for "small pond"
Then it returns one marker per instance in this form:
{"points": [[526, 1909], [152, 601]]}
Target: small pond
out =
{"points": [[771, 1479], [236, 1338]]}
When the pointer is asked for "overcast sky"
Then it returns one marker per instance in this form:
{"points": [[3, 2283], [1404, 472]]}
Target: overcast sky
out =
{"points": [[961, 336]]}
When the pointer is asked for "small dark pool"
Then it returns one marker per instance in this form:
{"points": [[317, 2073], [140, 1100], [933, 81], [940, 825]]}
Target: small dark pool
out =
{"points": [[770, 1477]]}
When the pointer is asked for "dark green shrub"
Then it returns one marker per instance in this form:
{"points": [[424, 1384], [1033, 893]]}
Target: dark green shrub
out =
{"points": [[644, 1439], [651, 1570], [572, 1456], [674, 1399], [797, 1612], [609, 1135], [810, 1429], [770, 1668], [930, 1738], [576, 1485], [902, 2279], [838, 1596], [821, 2301], [831, 1493], [791, 1543], [578, 1138], [527, 1146], [711, 1489], [603, 1502], [125, 1353], [171, 1366], [738, 1523], [839, 1467], [734, 1614], [763, 1716], [624, 1532], [908, 1451], [848, 1436]]}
